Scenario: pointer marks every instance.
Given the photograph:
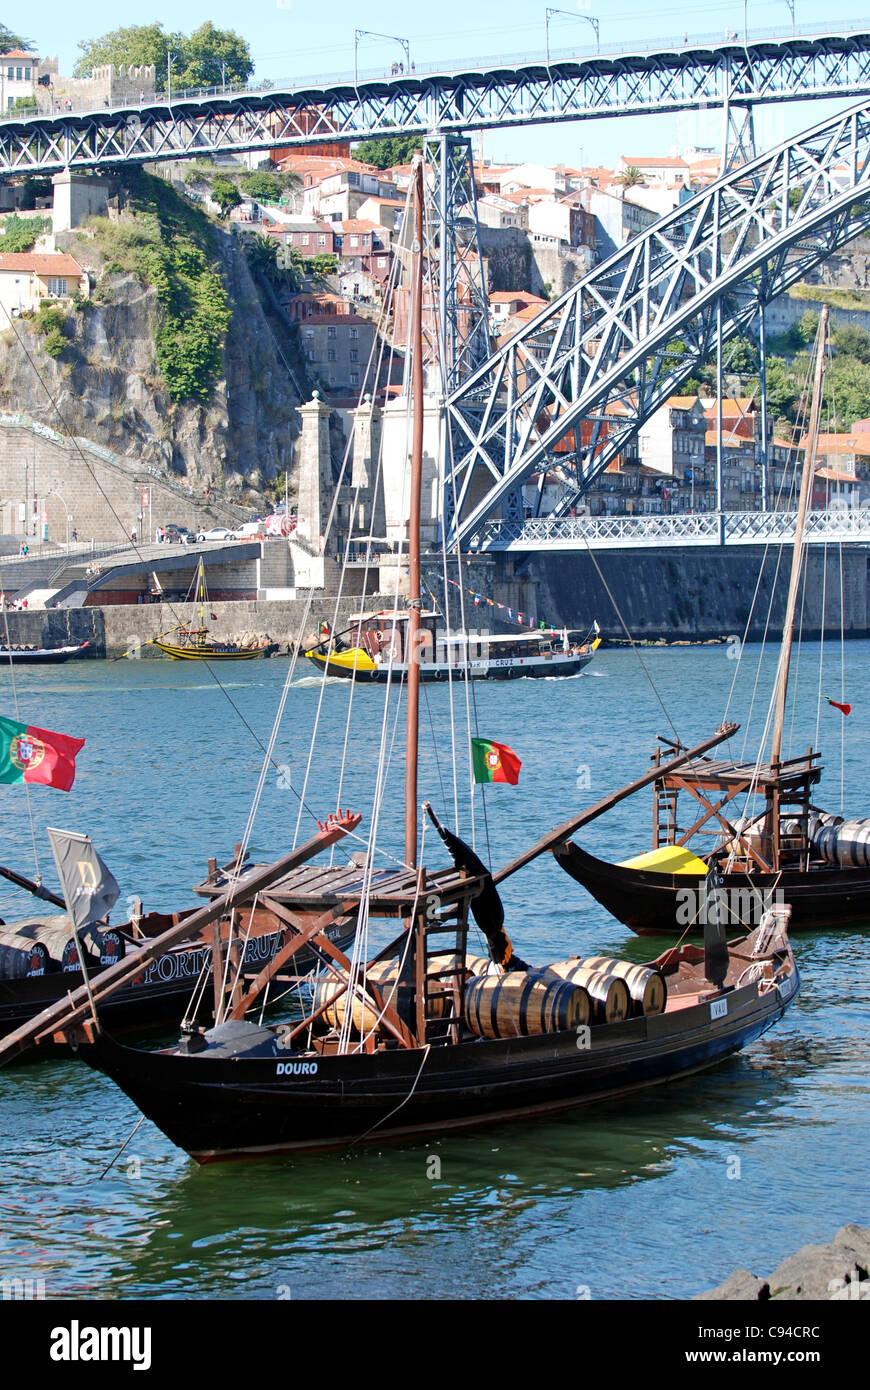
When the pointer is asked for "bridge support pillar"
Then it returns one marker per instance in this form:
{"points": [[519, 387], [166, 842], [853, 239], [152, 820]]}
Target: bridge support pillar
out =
{"points": [[78, 197]]}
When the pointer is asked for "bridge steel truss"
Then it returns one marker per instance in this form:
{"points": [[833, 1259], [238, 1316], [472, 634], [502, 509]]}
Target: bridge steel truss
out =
{"points": [[764, 70], [612, 348]]}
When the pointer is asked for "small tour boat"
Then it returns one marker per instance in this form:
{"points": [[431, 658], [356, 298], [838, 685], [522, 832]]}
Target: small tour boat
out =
{"points": [[374, 648], [22, 655]]}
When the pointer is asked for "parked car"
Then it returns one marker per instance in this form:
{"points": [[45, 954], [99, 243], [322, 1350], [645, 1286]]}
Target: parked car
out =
{"points": [[250, 528], [217, 533], [178, 533]]}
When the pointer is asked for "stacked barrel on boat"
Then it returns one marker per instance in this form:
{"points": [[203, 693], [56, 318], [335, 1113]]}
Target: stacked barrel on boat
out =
{"points": [[839, 841], [564, 996], [516, 1003], [49, 945]]}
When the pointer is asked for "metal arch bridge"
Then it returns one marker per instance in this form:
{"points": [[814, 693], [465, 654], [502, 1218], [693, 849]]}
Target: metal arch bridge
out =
{"points": [[832, 62], [612, 348], [835, 526]]}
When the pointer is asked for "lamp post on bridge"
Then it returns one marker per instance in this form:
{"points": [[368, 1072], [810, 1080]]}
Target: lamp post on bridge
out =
{"points": [[590, 19], [371, 33]]}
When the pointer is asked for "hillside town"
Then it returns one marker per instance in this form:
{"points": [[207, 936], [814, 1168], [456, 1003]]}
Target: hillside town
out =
{"points": [[332, 223]]}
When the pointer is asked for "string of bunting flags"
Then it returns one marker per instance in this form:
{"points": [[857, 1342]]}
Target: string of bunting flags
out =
{"points": [[514, 616]]}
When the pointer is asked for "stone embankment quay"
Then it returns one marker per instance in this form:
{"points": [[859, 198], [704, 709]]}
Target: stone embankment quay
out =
{"points": [[118, 629]]}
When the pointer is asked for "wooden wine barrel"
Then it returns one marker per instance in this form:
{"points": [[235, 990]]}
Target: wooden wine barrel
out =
{"points": [[111, 944], [383, 976], [61, 944], [647, 986], [611, 1001], [523, 1003], [853, 844], [21, 958], [363, 1017], [474, 965]]}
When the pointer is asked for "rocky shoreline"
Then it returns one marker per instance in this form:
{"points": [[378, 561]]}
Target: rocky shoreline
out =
{"points": [[839, 1270]]}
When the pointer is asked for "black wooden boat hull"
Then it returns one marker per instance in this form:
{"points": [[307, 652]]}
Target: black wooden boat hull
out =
{"points": [[221, 1108], [657, 904]]}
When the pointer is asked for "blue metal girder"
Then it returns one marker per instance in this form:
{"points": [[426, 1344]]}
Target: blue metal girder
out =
{"points": [[604, 352], [793, 68]]}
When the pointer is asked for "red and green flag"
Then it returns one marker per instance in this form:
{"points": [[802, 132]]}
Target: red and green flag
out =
{"points": [[844, 709], [28, 754], [494, 762]]}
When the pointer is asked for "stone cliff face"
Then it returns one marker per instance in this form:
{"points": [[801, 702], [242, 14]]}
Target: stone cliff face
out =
{"points": [[107, 385]]}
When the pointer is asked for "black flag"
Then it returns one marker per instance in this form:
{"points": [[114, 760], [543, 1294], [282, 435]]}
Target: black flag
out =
{"points": [[89, 889], [486, 906]]}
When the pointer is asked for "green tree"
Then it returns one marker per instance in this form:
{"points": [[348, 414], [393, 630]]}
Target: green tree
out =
{"points": [[782, 390], [137, 43], [262, 185], [8, 41], [386, 150], [226, 195], [807, 326], [630, 177], [207, 58], [850, 341], [849, 385], [213, 58], [740, 357], [261, 253]]}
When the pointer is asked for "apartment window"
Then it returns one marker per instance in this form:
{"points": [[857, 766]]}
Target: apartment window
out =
{"points": [[330, 332], [354, 378], [56, 288], [10, 73], [321, 239], [382, 261], [354, 240], [304, 238], [18, 74], [354, 332], [27, 74], [354, 355], [330, 355]]}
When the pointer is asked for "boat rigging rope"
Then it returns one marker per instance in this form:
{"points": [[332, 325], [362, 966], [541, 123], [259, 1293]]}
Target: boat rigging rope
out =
{"points": [[377, 338], [842, 689], [791, 476], [426, 1050]]}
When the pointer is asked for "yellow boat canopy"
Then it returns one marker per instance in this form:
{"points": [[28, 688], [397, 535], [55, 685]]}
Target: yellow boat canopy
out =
{"points": [[668, 859]]}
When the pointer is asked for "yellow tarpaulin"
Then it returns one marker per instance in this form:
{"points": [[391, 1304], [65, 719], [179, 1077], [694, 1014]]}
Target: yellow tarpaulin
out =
{"points": [[668, 859]]}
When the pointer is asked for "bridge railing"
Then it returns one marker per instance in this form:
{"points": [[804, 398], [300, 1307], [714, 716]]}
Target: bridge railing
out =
{"points": [[682, 529], [683, 43]]}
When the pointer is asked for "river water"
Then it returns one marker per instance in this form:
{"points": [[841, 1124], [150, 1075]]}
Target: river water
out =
{"points": [[657, 1196]]}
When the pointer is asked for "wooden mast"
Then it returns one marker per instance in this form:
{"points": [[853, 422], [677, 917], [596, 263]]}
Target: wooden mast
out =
{"points": [[797, 553], [412, 651]]}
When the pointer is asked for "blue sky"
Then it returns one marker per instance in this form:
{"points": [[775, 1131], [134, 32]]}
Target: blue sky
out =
{"points": [[292, 39]]}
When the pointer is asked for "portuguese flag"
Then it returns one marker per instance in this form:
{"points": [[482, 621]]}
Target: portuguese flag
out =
{"points": [[28, 754], [494, 762]]}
